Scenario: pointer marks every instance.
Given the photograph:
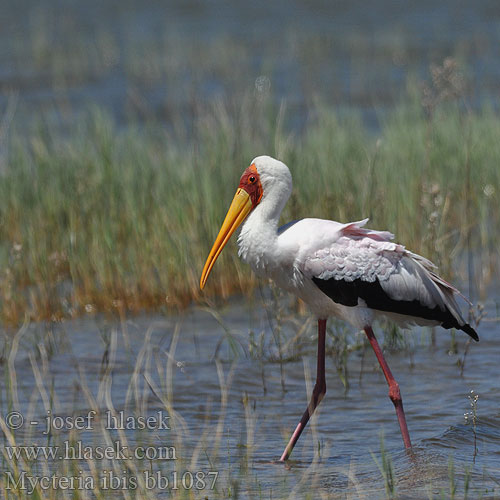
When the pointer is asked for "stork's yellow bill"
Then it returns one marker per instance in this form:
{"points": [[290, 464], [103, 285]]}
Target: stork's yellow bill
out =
{"points": [[247, 197]]}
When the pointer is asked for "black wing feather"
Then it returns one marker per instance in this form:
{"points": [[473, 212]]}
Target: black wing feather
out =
{"points": [[348, 293]]}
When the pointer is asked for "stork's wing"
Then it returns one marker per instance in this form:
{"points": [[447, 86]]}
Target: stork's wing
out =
{"points": [[362, 266]]}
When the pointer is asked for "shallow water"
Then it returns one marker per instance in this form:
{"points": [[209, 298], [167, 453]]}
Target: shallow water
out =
{"points": [[260, 415]]}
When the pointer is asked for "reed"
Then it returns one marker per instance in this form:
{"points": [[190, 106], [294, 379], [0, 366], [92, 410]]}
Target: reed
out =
{"points": [[102, 217]]}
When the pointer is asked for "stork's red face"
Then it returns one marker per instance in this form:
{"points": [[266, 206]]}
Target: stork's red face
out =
{"points": [[250, 183], [247, 197]]}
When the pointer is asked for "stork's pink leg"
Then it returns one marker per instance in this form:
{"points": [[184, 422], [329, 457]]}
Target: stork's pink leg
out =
{"points": [[318, 392], [394, 392]]}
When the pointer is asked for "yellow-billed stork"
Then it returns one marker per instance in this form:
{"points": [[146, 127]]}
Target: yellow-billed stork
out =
{"points": [[342, 270]]}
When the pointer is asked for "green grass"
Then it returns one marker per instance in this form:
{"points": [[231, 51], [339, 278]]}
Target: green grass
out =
{"points": [[102, 217]]}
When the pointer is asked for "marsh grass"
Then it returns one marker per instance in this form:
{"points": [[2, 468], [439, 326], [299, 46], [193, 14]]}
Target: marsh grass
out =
{"points": [[386, 469], [207, 444], [103, 218], [150, 382]]}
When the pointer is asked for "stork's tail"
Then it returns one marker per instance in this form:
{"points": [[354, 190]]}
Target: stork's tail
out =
{"points": [[448, 293], [469, 331]]}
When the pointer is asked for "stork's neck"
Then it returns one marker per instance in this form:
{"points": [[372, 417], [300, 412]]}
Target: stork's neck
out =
{"points": [[257, 242]]}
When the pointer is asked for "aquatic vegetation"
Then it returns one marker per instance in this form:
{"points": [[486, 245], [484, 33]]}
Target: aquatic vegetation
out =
{"points": [[224, 432], [105, 217], [471, 417], [387, 470]]}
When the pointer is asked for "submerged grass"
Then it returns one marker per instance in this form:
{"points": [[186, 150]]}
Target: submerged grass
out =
{"points": [[103, 218]]}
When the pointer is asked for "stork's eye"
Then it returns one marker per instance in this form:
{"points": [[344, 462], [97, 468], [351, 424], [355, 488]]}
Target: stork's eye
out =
{"points": [[252, 179]]}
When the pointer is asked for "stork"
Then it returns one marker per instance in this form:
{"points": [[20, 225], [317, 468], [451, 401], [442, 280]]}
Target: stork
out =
{"points": [[342, 270]]}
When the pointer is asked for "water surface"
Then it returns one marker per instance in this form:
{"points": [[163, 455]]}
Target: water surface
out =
{"points": [[265, 399], [162, 59]]}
